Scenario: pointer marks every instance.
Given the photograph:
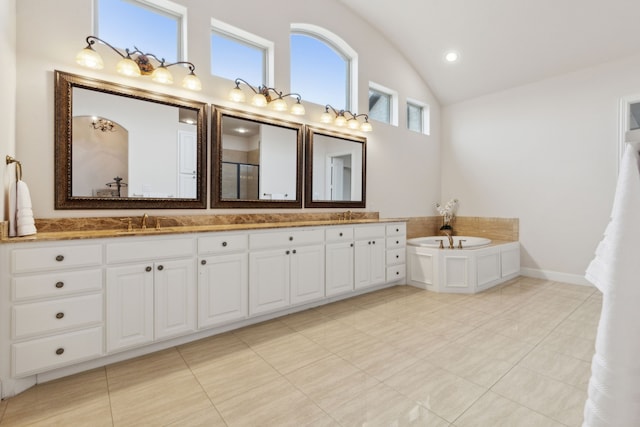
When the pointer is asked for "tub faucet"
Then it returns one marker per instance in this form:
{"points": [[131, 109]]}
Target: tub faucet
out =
{"points": [[448, 234]]}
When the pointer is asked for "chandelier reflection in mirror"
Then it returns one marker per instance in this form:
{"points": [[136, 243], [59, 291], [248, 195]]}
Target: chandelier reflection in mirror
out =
{"points": [[345, 118], [262, 97], [136, 63], [104, 125]]}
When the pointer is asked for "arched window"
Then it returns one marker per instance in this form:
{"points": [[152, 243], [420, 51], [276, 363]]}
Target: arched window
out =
{"points": [[323, 67]]}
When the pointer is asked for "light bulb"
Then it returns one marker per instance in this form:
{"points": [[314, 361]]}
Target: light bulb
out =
{"points": [[89, 58], [366, 127], [191, 82], [340, 121], [128, 67], [237, 95], [162, 75], [297, 109], [259, 100], [278, 104], [326, 117], [353, 124]]}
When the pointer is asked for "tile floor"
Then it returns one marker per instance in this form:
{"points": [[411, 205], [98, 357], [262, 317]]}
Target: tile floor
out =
{"points": [[517, 355]]}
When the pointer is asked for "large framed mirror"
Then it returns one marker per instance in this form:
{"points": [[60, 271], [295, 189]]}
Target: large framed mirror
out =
{"points": [[119, 147], [335, 167], [256, 161]]}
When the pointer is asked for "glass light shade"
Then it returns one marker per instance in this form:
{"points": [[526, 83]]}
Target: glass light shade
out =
{"points": [[128, 67], [297, 109], [366, 127], [279, 104], [259, 100], [162, 75], [340, 121], [237, 95], [353, 124], [326, 117], [89, 58], [191, 82]]}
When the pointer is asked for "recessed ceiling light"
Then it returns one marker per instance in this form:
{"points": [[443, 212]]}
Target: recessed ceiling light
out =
{"points": [[451, 56], [242, 130]]}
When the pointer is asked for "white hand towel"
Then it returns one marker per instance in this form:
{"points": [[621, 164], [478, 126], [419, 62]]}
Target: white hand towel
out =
{"points": [[25, 223], [12, 210], [614, 387]]}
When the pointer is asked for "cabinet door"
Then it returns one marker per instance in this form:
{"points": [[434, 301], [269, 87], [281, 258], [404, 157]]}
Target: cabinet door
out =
{"points": [[307, 273], [339, 268], [175, 298], [378, 262], [222, 289], [362, 263], [129, 306], [268, 280]]}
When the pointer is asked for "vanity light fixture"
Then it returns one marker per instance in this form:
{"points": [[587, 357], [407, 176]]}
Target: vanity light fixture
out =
{"points": [[345, 118], [262, 98], [136, 63]]}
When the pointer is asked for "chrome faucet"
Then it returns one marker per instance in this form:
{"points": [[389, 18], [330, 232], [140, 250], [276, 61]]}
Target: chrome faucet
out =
{"points": [[143, 222]]}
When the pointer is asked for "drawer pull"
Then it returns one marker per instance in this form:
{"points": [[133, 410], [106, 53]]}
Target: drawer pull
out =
{"points": [[147, 269], [160, 268], [397, 230], [60, 258], [59, 315], [59, 285], [224, 244], [397, 256], [397, 273], [397, 242], [374, 242], [203, 262], [340, 234], [294, 251], [60, 351], [290, 238], [351, 245], [287, 252]]}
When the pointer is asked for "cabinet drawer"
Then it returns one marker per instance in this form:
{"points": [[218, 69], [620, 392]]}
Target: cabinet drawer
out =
{"points": [[223, 243], [366, 232], [47, 353], [285, 238], [397, 229], [56, 284], [396, 242], [396, 272], [149, 250], [56, 315], [341, 234], [55, 258], [396, 256]]}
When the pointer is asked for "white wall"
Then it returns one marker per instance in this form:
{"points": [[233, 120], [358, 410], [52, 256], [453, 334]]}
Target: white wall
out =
{"points": [[8, 98], [545, 153], [403, 167]]}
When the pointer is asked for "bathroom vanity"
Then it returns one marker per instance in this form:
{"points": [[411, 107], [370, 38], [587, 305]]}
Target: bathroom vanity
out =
{"points": [[75, 301]]}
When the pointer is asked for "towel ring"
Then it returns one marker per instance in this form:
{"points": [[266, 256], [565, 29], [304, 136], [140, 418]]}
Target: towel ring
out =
{"points": [[10, 160]]}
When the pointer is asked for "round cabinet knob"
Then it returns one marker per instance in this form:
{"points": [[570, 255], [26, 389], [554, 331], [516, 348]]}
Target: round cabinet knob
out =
{"points": [[397, 256], [203, 262], [340, 234], [351, 245], [294, 251], [60, 351], [290, 238], [59, 315], [397, 242], [369, 242], [60, 258], [147, 269], [397, 273], [374, 242], [287, 252], [160, 268], [224, 244], [59, 285], [397, 230]]}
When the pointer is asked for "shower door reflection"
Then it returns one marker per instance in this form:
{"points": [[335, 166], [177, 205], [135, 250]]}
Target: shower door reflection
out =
{"points": [[240, 181]]}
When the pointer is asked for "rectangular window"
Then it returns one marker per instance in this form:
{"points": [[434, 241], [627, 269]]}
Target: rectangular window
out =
{"points": [[383, 104], [236, 53], [414, 117], [148, 26]]}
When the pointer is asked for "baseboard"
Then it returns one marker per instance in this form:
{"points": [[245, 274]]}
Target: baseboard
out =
{"points": [[555, 276]]}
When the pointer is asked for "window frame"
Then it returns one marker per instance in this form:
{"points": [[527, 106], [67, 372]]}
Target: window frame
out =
{"points": [[393, 107], [244, 37], [425, 116]]}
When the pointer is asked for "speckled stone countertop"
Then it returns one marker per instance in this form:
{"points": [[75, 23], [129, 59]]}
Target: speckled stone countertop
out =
{"points": [[93, 228]]}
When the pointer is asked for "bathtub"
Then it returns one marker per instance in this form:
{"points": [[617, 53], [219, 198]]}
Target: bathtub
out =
{"points": [[434, 241]]}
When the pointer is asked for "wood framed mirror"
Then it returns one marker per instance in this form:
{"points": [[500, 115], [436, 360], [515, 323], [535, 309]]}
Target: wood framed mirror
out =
{"points": [[256, 161], [335, 169], [119, 147]]}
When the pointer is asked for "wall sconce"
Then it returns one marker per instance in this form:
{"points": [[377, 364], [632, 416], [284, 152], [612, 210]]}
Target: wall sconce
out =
{"points": [[138, 64], [345, 118], [104, 125], [262, 98]]}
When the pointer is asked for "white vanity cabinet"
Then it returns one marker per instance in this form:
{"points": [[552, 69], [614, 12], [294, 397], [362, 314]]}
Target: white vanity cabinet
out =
{"points": [[339, 254], [152, 299], [55, 305], [285, 267], [396, 252], [370, 255], [223, 279]]}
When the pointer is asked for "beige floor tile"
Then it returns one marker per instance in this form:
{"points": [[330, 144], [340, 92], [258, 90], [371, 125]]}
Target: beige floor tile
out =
{"points": [[492, 410], [377, 359], [558, 366], [466, 315], [361, 319], [520, 330], [329, 380], [500, 346], [219, 348], [335, 336], [263, 332], [208, 417], [557, 400], [477, 366], [81, 399], [337, 307], [440, 391], [277, 403], [383, 406], [304, 319], [290, 352], [570, 345]]}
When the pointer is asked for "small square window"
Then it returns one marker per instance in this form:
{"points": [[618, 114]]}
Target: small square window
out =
{"points": [[414, 117], [379, 106], [232, 58]]}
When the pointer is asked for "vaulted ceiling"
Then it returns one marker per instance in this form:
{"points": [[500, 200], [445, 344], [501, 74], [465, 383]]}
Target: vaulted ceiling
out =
{"points": [[503, 43]]}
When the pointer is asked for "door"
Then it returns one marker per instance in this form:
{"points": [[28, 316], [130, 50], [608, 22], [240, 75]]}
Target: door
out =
{"points": [[268, 280], [175, 298], [187, 164], [339, 268], [222, 289], [307, 273]]}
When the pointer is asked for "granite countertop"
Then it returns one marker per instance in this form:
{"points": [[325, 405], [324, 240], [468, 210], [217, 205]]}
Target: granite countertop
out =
{"points": [[151, 231]]}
